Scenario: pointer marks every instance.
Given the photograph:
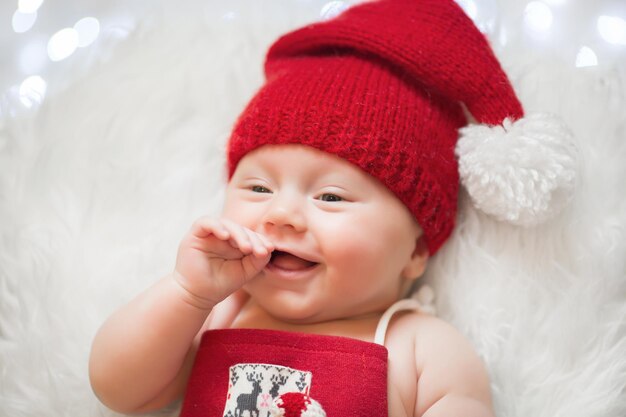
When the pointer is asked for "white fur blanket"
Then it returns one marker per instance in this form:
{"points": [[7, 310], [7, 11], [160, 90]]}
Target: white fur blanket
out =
{"points": [[98, 186]]}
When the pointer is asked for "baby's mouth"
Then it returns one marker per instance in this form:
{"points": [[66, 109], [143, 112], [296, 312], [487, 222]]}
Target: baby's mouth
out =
{"points": [[290, 262]]}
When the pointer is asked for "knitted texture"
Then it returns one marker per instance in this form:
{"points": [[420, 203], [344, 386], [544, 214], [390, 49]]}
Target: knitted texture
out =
{"points": [[381, 86], [296, 404]]}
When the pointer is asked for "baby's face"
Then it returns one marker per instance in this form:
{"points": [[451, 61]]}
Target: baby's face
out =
{"points": [[346, 246]]}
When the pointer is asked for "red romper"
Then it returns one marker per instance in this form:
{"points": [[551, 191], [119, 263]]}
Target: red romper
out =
{"points": [[239, 372]]}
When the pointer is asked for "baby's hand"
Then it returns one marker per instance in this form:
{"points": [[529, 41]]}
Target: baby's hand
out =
{"points": [[217, 257]]}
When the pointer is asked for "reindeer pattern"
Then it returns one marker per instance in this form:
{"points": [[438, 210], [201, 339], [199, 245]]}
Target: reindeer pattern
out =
{"points": [[253, 387]]}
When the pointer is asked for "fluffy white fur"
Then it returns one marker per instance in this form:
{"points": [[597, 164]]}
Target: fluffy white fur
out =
{"points": [[523, 172], [98, 187]]}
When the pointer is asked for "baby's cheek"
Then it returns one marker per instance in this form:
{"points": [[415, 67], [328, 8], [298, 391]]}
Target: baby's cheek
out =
{"points": [[355, 250]]}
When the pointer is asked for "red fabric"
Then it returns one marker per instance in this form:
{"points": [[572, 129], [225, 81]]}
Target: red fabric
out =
{"points": [[381, 86], [349, 376]]}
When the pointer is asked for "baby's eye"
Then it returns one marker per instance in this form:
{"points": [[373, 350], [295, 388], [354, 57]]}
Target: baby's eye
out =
{"points": [[330, 197], [259, 189]]}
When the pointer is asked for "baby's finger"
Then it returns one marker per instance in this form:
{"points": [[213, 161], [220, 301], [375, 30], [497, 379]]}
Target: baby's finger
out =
{"points": [[258, 246], [206, 226], [269, 245], [238, 237]]}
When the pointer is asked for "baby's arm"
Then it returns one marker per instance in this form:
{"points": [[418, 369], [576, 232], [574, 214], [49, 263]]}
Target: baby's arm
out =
{"points": [[452, 378], [141, 357]]}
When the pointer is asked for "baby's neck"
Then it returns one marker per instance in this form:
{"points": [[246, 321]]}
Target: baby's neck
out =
{"points": [[252, 316]]}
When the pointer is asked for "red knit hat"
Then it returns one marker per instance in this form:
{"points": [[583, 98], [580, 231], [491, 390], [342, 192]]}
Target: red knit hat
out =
{"points": [[382, 86]]}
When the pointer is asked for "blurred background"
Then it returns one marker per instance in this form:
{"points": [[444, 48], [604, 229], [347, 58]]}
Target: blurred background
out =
{"points": [[41, 39]]}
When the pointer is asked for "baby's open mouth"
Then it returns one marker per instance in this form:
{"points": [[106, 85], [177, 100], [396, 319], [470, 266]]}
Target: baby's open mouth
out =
{"points": [[289, 262]]}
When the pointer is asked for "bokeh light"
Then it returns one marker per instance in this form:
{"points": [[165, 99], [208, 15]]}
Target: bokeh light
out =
{"points": [[538, 16], [612, 29], [32, 91], [62, 44], [22, 22], [584, 37], [586, 57], [29, 6], [88, 30]]}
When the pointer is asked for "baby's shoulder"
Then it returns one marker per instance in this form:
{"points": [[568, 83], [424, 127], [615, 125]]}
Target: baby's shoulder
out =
{"points": [[425, 335], [405, 332], [410, 325]]}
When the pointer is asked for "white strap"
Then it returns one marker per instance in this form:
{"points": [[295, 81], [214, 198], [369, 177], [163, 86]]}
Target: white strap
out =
{"points": [[422, 301]]}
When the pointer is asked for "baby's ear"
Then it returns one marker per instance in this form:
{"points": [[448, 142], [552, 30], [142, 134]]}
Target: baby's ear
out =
{"points": [[419, 258]]}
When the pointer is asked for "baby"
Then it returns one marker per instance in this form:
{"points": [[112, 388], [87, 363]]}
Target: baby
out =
{"points": [[342, 182]]}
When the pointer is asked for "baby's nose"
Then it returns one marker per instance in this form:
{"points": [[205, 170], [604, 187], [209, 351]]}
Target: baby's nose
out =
{"points": [[286, 213]]}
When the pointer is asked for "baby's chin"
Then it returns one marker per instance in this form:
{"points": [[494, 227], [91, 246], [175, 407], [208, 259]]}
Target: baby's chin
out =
{"points": [[309, 314], [298, 314]]}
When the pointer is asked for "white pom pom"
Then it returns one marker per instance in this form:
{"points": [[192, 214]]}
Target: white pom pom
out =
{"points": [[522, 172]]}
